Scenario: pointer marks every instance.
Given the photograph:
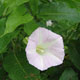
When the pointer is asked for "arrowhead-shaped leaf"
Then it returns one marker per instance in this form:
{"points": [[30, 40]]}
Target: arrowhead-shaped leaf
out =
{"points": [[16, 18]]}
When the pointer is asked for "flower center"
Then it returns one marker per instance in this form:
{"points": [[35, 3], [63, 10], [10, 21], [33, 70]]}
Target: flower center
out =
{"points": [[40, 49]]}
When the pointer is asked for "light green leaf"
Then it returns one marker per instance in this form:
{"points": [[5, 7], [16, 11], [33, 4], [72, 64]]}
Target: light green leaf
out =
{"points": [[59, 11], [4, 41], [30, 27], [69, 74], [18, 16], [14, 3], [18, 67]]}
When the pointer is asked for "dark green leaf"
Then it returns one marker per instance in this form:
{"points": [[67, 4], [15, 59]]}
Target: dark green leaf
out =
{"points": [[77, 0], [69, 74], [71, 3], [2, 25], [74, 56], [30, 27], [4, 41], [18, 67], [2, 74], [34, 6], [59, 11], [1, 9]]}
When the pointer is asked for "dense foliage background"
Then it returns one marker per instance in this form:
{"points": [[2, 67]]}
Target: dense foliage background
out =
{"points": [[19, 18]]}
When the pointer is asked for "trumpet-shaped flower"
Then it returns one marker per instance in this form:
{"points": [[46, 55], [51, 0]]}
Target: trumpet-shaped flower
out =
{"points": [[45, 49]]}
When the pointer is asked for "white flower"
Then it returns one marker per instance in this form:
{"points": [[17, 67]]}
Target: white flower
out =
{"points": [[49, 23], [45, 49]]}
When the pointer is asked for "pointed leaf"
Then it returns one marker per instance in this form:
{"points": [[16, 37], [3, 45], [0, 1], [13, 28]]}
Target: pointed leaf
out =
{"points": [[17, 17]]}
